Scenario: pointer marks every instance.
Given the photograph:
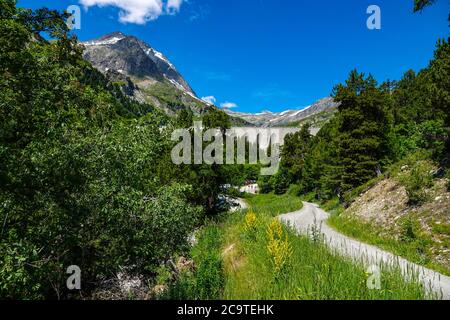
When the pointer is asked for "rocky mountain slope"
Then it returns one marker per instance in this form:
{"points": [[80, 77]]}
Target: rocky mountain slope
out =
{"points": [[144, 73], [288, 117]]}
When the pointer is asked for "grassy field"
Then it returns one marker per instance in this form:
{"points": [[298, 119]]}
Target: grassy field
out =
{"points": [[274, 205], [250, 255]]}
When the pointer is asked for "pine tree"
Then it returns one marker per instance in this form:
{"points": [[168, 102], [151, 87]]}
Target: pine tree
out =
{"points": [[363, 126]]}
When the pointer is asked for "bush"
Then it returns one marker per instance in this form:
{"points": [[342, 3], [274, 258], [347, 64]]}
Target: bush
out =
{"points": [[417, 180], [264, 184], [295, 190], [279, 182], [207, 280]]}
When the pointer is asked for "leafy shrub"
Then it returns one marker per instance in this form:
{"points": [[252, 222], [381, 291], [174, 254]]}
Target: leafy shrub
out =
{"points": [[279, 182], [417, 180], [206, 281], [408, 227], [295, 190], [163, 275], [264, 184], [85, 179]]}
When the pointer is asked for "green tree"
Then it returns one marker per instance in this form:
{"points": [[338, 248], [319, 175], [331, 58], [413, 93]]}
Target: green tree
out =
{"points": [[363, 126], [83, 179]]}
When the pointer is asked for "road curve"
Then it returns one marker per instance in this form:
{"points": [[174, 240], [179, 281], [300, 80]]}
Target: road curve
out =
{"points": [[310, 216]]}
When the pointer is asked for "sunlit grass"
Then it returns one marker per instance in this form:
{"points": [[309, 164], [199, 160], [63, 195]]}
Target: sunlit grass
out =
{"points": [[308, 270], [274, 205], [415, 248]]}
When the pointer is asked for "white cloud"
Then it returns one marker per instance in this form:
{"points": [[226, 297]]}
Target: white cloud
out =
{"points": [[228, 105], [210, 99], [138, 11], [173, 6]]}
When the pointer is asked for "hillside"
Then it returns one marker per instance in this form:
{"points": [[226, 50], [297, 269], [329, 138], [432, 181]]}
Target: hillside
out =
{"points": [[387, 213]]}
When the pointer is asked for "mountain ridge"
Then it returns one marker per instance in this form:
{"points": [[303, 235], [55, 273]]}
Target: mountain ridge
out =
{"points": [[284, 118], [148, 76]]}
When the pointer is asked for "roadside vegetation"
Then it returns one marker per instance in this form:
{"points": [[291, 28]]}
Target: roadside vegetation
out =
{"points": [[416, 228], [251, 255], [404, 211], [274, 205], [411, 244], [86, 179], [396, 134]]}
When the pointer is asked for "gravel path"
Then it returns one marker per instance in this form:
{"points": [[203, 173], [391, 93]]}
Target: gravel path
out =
{"points": [[311, 216]]}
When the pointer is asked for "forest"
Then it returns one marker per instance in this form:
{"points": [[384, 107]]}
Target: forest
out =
{"points": [[376, 126]]}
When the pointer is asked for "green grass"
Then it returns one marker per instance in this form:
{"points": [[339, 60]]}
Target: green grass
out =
{"points": [[207, 281], [242, 268], [411, 245], [274, 205]]}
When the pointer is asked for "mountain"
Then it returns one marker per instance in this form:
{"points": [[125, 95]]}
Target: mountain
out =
{"points": [[148, 76], [317, 113], [142, 72]]}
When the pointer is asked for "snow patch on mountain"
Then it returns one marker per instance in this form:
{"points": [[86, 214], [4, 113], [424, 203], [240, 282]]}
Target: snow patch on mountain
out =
{"points": [[271, 119]]}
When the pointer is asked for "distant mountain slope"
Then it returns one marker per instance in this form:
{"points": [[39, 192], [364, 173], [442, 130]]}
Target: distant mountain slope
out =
{"points": [[324, 106]]}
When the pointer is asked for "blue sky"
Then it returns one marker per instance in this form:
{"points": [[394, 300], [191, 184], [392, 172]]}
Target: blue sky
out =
{"points": [[271, 54]]}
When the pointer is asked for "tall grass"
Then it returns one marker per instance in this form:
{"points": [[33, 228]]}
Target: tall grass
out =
{"points": [[261, 259], [412, 244], [274, 205], [312, 272], [207, 280]]}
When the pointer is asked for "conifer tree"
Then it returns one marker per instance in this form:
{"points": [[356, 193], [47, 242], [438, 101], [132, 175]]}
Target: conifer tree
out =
{"points": [[363, 125]]}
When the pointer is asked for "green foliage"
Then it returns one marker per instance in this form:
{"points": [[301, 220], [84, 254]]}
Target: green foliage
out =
{"points": [[310, 270], [185, 119], [294, 190], [294, 152], [216, 119], [86, 176], [209, 277], [375, 126], [416, 180], [207, 280], [421, 4], [362, 129]]}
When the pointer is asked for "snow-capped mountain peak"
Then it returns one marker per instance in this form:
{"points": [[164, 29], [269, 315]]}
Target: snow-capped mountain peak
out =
{"points": [[108, 39], [135, 58]]}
